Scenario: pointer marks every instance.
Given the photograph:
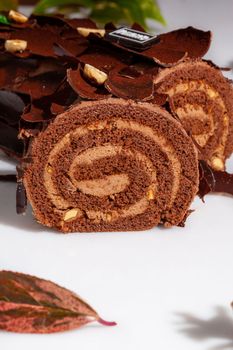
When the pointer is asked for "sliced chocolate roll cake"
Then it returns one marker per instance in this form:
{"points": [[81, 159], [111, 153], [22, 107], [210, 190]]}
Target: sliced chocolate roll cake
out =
{"points": [[202, 99], [112, 165]]}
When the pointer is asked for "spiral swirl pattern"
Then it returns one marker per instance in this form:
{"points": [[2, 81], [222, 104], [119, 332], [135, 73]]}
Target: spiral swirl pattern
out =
{"points": [[203, 101], [112, 165]]}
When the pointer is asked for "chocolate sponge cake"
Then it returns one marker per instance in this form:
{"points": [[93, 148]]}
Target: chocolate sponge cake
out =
{"points": [[202, 98], [112, 165]]}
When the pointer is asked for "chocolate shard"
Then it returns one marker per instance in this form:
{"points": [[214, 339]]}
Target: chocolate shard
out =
{"points": [[104, 58], [212, 64], [68, 39], [11, 107], [21, 196], [194, 42], [60, 20], [130, 83], [213, 180], [8, 177], [137, 26], [9, 142], [173, 47], [83, 87]]}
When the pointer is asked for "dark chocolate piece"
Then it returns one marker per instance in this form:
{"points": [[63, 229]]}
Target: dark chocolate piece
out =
{"points": [[127, 84], [8, 178], [173, 47], [83, 87], [213, 180], [132, 38], [21, 196]]}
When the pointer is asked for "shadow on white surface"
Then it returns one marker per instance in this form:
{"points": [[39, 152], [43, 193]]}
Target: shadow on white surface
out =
{"points": [[8, 216], [219, 326]]}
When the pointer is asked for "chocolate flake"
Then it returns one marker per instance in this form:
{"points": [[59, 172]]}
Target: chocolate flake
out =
{"points": [[138, 88], [8, 178], [213, 180], [173, 47], [21, 196], [83, 87]]}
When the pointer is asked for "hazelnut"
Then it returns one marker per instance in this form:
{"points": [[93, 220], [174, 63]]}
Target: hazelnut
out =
{"points": [[95, 74], [108, 217], [96, 126], [17, 17], [72, 214], [212, 93], [217, 163], [49, 169], [225, 120], [15, 45], [86, 31], [150, 195]]}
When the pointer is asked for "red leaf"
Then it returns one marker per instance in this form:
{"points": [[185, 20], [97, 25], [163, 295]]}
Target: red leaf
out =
{"points": [[32, 305]]}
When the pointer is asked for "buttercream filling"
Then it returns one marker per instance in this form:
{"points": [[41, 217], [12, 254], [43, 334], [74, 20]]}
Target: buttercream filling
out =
{"points": [[197, 112], [115, 183]]}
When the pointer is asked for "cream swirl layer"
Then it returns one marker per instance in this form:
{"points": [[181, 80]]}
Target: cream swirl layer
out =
{"points": [[114, 183], [202, 99]]}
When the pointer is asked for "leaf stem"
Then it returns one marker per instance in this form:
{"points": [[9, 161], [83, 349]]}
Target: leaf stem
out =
{"points": [[106, 323]]}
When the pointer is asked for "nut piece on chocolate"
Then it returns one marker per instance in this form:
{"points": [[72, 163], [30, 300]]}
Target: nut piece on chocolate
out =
{"points": [[15, 45], [95, 74], [86, 31], [17, 17]]}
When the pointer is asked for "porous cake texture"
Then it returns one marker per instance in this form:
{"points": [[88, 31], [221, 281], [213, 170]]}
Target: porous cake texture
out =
{"points": [[112, 165]]}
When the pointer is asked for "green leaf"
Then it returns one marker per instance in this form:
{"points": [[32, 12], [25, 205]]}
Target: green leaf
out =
{"points": [[44, 5], [107, 11], [117, 11], [6, 5], [151, 10], [4, 20]]}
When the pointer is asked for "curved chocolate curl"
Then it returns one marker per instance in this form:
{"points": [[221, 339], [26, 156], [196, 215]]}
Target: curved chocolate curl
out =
{"points": [[137, 26], [83, 88], [60, 20], [11, 108], [74, 46], [103, 59], [8, 178], [173, 47], [30, 304], [110, 26], [63, 98], [194, 42], [80, 22], [33, 77], [213, 180], [129, 83], [33, 114], [163, 56], [42, 85]]}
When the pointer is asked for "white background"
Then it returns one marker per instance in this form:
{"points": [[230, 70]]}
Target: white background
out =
{"points": [[166, 288]]}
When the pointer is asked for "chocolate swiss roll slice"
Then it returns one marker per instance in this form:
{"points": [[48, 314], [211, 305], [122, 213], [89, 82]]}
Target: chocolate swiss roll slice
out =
{"points": [[202, 99], [112, 165]]}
